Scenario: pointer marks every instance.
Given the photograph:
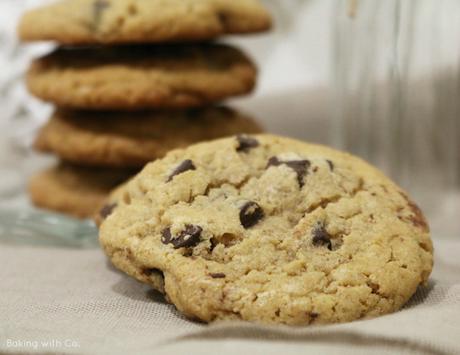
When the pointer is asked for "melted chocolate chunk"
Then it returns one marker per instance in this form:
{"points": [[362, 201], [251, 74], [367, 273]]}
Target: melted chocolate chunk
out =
{"points": [[246, 143], [107, 210], [321, 237], [299, 166], [313, 315], [273, 161], [217, 275], [250, 214], [189, 237], [166, 236], [186, 165], [331, 164]]}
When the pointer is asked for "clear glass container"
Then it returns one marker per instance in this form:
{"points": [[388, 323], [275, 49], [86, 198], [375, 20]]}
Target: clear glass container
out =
{"points": [[397, 83]]}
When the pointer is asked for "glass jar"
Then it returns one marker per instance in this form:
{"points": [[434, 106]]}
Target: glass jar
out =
{"points": [[396, 66]]}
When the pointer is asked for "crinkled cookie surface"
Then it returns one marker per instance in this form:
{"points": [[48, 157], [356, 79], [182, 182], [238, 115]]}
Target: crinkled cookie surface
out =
{"points": [[269, 229]]}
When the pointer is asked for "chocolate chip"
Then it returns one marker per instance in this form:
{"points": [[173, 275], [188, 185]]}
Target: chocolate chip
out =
{"points": [[107, 210], [99, 6], [299, 166], [166, 236], [246, 143], [313, 315], [217, 275], [321, 237], [186, 165], [189, 237], [250, 214], [273, 161], [373, 286], [331, 164]]}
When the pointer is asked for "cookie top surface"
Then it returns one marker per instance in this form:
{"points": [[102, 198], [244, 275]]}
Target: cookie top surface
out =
{"points": [[75, 190], [141, 77], [130, 21], [272, 230], [132, 139]]}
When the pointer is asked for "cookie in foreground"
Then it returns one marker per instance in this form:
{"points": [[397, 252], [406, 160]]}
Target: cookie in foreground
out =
{"points": [[132, 139], [271, 230], [142, 21], [141, 77], [75, 190]]}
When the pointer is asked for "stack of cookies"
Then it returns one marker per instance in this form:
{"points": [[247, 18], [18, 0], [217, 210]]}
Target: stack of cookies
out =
{"points": [[131, 80]]}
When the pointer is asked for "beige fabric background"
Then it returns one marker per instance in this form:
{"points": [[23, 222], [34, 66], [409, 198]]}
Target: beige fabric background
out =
{"points": [[72, 301]]}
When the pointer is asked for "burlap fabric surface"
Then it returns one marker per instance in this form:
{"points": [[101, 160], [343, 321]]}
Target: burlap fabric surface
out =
{"points": [[72, 301]]}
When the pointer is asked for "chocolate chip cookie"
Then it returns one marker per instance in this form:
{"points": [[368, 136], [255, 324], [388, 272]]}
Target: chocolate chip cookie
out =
{"points": [[271, 230], [75, 190], [141, 77], [143, 21], [132, 139]]}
